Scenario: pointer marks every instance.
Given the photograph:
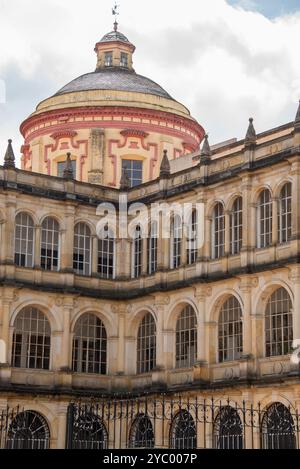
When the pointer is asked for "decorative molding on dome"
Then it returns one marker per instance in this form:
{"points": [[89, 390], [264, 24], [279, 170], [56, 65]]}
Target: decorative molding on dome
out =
{"points": [[190, 130], [64, 134], [134, 133]]}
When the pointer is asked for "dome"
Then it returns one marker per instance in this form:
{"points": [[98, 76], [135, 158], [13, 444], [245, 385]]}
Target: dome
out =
{"points": [[114, 78], [115, 36]]}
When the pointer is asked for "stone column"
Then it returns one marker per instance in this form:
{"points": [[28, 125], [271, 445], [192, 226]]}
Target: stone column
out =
{"points": [[7, 300], [37, 247], [295, 278], [62, 410], [67, 245], [248, 220], [121, 310], [95, 240], [145, 256], [163, 254], [8, 239], [227, 232], [246, 285], [275, 221], [295, 172], [123, 258], [67, 307]]}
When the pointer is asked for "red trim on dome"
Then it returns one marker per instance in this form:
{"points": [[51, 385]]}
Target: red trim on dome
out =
{"points": [[113, 112]]}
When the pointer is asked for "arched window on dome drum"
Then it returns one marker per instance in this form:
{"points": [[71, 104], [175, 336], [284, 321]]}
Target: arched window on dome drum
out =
{"points": [[228, 429], [137, 253], [278, 428], [24, 240], [264, 219], [153, 248], [28, 430], [106, 255], [176, 242], [285, 214], [89, 431], [50, 245], [236, 227], [230, 334], [279, 324], [141, 434], [186, 338], [31, 340], [183, 433], [146, 345], [89, 346], [218, 232], [192, 239], [82, 249]]}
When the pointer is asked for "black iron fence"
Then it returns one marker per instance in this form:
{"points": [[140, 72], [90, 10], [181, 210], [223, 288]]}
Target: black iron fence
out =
{"points": [[181, 424], [161, 422]]}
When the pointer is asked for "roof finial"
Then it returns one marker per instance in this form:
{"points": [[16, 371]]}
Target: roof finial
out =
{"points": [[251, 137], [125, 181], [115, 12], [165, 168], [9, 158], [297, 118], [206, 151], [68, 170]]}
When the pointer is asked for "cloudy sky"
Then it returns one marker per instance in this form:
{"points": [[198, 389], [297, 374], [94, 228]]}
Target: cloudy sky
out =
{"points": [[225, 60]]}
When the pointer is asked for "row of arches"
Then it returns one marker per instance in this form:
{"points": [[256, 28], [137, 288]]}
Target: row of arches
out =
{"points": [[31, 345], [84, 250], [30, 430]]}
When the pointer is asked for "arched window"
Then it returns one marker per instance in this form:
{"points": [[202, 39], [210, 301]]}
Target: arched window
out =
{"points": [[142, 435], [137, 253], [28, 430], [264, 219], [31, 340], [192, 239], [89, 345], [218, 232], [106, 255], [88, 430], [183, 431], [236, 227], [82, 249], [285, 214], [228, 429], [279, 324], [186, 338], [176, 240], [24, 240], [230, 331], [153, 248], [50, 245], [146, 345], [278, 429]]}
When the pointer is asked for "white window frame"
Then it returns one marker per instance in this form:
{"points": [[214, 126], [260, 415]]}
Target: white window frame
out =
{"points": [[230, 331], [18, 242], [264, 237], [50, 234], [285, 214], [236, 227], [218, 232], [78, 250]]}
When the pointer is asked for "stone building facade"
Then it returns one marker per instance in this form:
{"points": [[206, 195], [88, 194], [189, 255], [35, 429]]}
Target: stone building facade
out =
{"points": [[124, 318]]}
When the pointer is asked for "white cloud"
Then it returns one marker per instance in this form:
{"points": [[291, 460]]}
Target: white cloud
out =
{"points": [[223, 62]]}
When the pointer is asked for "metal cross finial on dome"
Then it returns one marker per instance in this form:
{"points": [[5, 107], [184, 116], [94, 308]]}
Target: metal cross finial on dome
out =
{"points": [[115, 12]]}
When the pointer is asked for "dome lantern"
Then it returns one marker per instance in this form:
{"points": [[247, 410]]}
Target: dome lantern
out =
{"points": [[114, 50]]}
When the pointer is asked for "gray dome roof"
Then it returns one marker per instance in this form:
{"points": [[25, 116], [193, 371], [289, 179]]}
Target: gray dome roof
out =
{"points": [[114, 36], [114, 78]]}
